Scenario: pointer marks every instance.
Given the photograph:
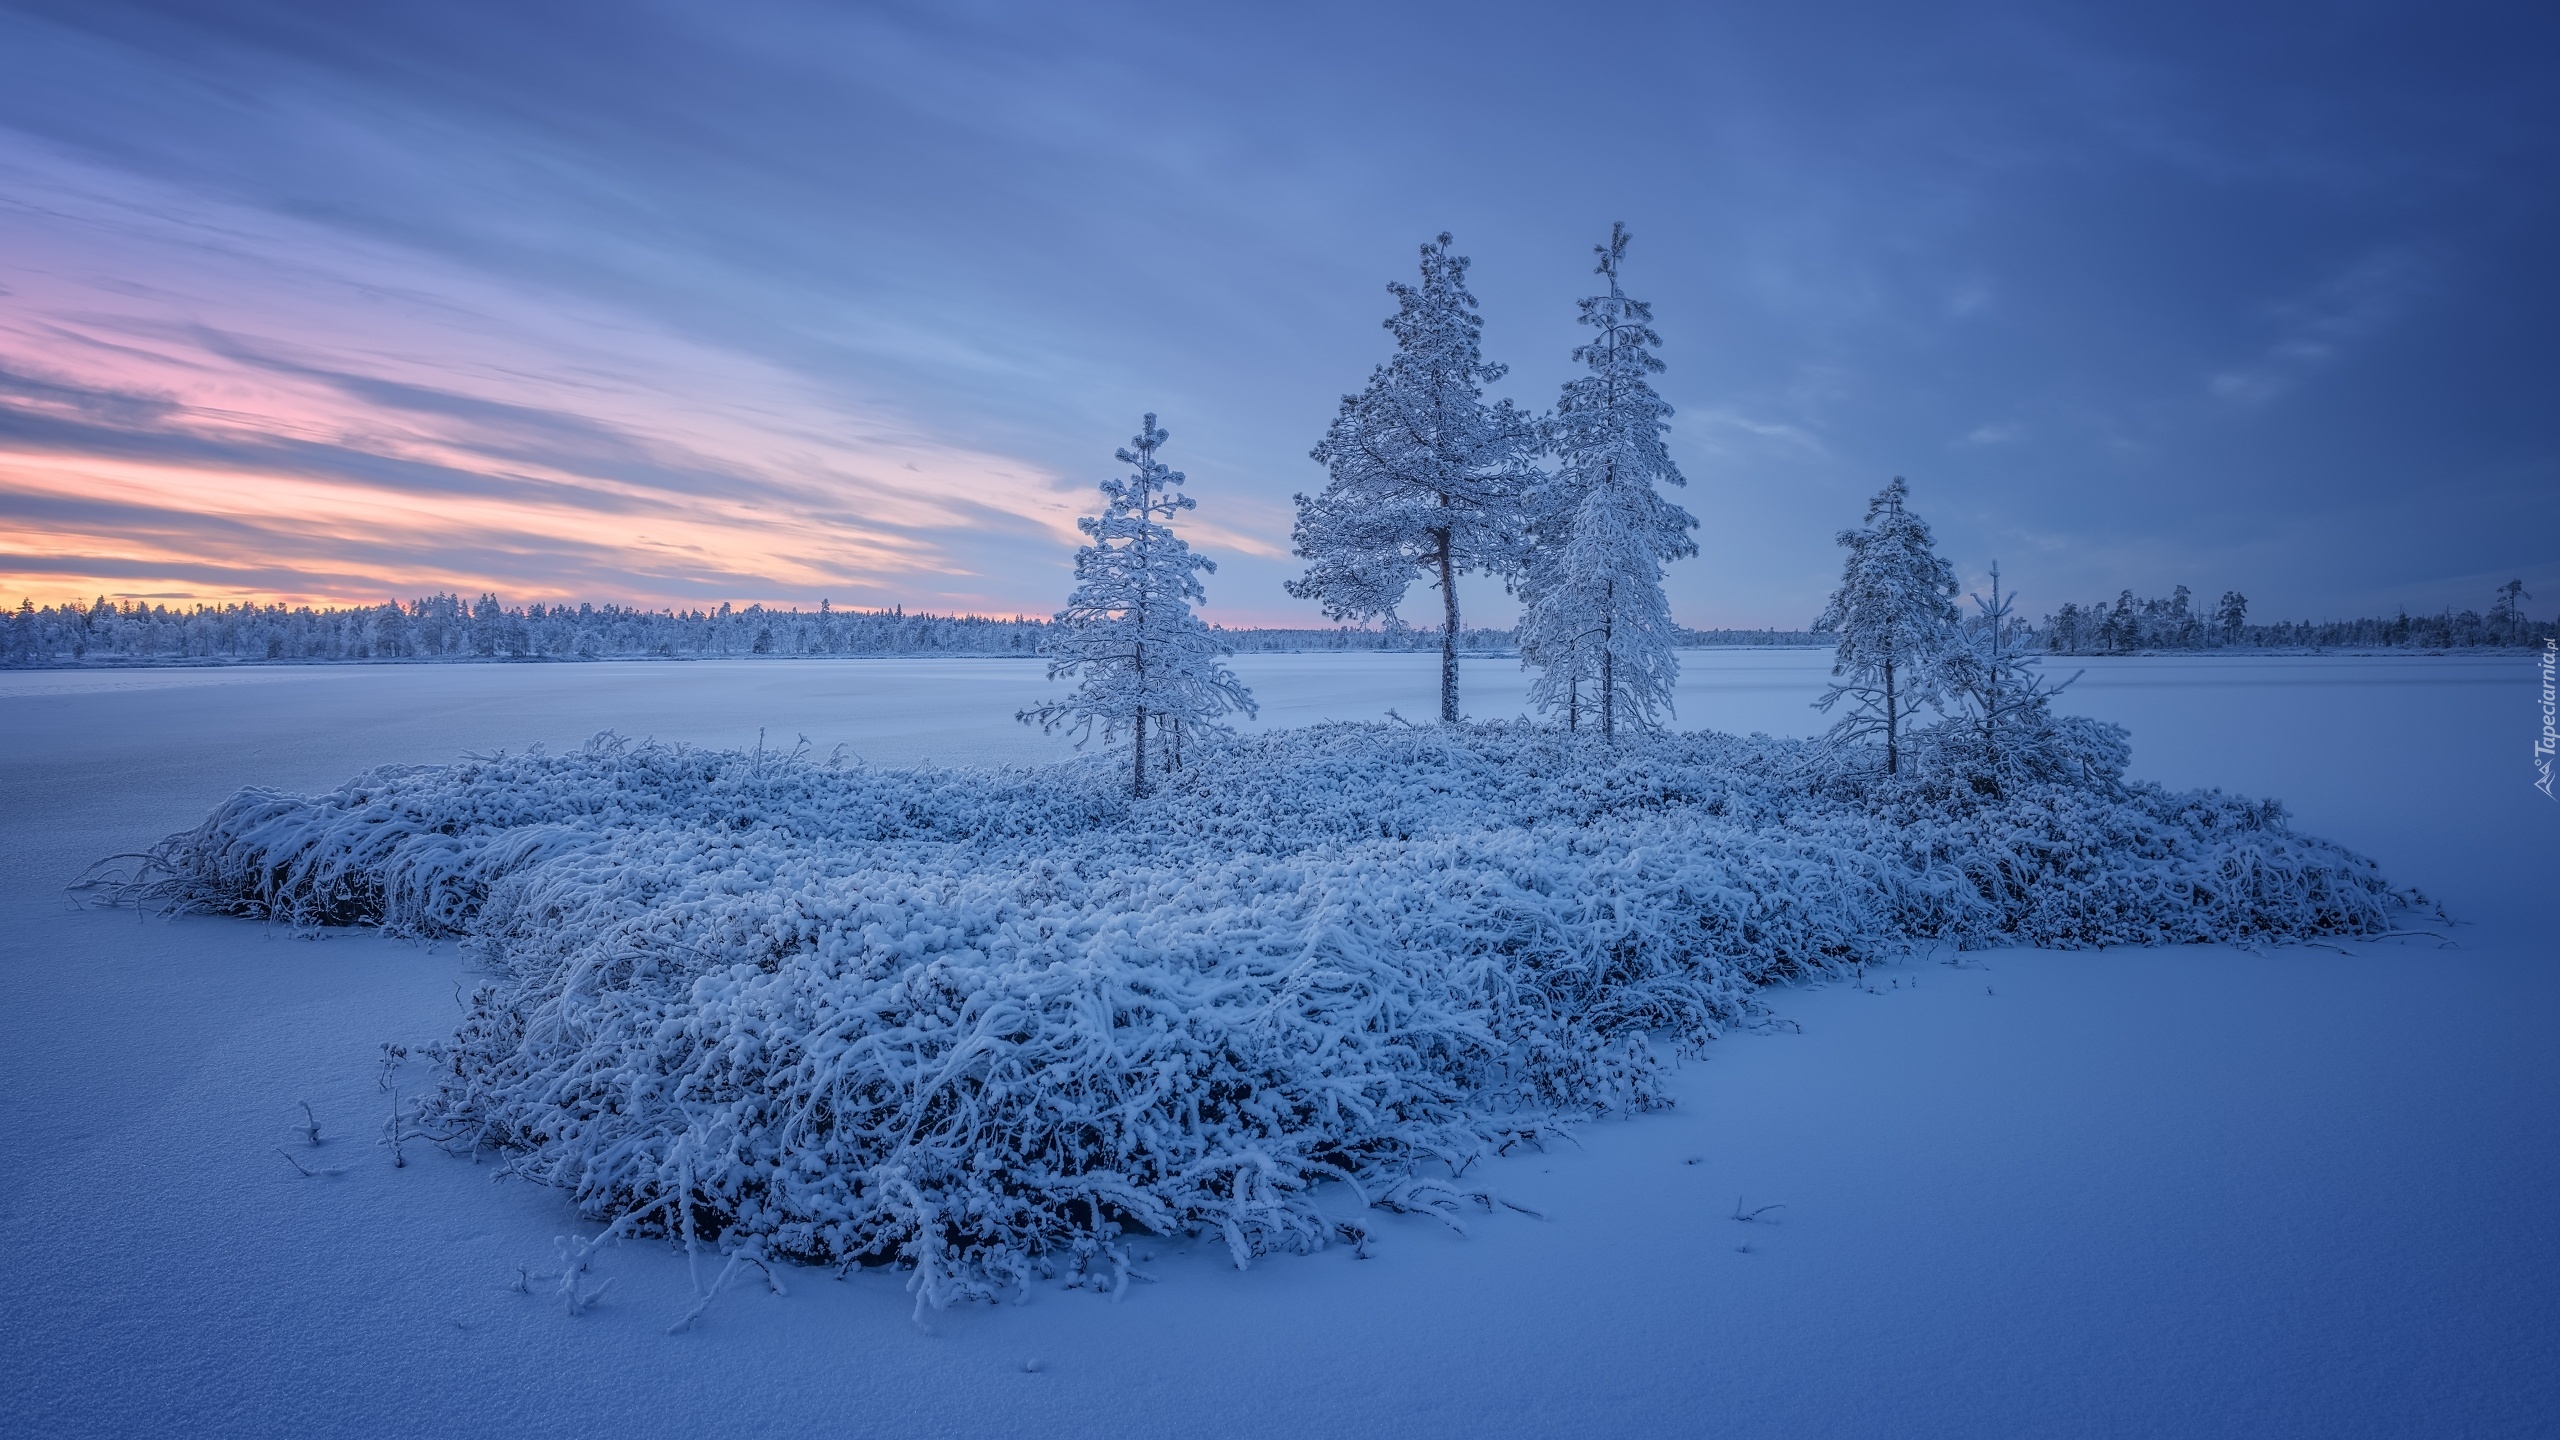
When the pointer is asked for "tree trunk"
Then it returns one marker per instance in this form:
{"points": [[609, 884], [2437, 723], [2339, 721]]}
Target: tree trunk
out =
{"points": [[1448, 630], [1609, 665], [1138, 769], [1608, 698], [1892, 726]]}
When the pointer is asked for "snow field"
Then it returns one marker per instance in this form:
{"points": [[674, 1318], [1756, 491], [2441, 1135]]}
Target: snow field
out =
{"points": [[986, 1024], [2185, 1191]]}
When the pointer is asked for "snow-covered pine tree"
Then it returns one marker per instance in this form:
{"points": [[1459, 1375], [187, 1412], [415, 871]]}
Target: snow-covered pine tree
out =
{"points": [[2123, 628], [2064, 633], [2184, 624], [2507, 611], [1593, 610], [1128, 634], [1895, 615], [1425, 477], [2230, 615]]}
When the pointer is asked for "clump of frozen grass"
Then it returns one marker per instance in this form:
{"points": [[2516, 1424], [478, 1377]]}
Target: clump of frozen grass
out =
{"points": [[986, 1023]]}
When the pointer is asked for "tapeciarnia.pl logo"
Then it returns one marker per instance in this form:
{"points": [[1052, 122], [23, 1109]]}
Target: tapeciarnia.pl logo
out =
{"points": [[2542, 745]]}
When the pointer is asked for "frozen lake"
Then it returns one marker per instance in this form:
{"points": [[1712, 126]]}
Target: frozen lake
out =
{"points": [[2179, 1192]]}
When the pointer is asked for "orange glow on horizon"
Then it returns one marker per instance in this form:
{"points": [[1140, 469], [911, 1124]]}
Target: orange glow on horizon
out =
{"points": [[236, 441]]}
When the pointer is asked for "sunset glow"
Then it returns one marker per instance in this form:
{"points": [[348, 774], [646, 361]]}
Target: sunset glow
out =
{"points": [[840, 305]]}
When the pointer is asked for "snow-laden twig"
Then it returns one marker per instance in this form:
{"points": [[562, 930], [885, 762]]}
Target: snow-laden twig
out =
{"points": [[705, 1294], [577, 1253], [307, 1172]]}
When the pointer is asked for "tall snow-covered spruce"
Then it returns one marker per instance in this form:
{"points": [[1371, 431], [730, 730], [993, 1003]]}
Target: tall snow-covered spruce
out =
{"points": [[1593, 610], [1895, 615], [1128, 635], [1425, 476]]}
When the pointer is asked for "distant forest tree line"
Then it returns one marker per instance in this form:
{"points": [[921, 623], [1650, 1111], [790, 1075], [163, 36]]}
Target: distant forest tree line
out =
{"points": [[2128, 624], [447, 628]]}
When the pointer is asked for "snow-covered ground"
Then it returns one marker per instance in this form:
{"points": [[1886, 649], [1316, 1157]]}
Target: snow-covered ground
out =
{"points": [[2170, 1192]]}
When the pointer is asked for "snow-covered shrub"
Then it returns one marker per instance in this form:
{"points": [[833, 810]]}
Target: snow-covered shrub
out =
{"points": [[985, 1022], [2036, 748]]}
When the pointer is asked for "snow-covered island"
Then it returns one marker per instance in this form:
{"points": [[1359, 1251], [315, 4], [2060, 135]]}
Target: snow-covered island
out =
{"points": [[988, 1023]]}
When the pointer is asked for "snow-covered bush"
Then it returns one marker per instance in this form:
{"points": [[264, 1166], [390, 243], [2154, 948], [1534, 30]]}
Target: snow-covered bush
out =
{"points": [[2033, 747], [986, 1022]]}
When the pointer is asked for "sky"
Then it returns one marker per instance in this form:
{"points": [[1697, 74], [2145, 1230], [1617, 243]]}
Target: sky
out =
{"points": [[775, 302]]}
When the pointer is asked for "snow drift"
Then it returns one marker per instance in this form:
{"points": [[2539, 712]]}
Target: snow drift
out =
{"points": [[985, 1023]]}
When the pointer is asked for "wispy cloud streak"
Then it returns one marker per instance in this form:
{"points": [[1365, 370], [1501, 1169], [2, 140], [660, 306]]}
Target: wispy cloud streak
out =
{"points": [[778, 299], [463, 436]]}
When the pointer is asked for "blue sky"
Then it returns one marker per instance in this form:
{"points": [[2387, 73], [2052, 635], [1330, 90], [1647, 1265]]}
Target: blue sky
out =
{"points": [[780, 301]]}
